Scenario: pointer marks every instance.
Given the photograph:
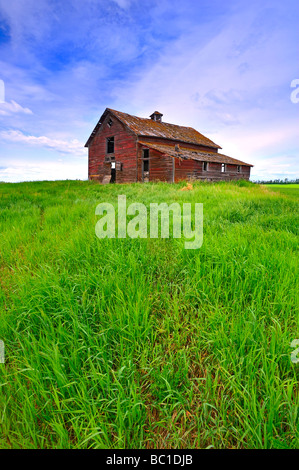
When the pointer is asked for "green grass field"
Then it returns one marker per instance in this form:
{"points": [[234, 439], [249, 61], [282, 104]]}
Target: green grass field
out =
{"points": [[291, 190], [140, 343]]}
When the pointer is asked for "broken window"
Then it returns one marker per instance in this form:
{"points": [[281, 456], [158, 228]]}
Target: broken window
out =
{"points": [[223, 167], [145, 165], [205, 166], [239, 169], [110, 122], [110, 144], [145, 153], [145, 158]]}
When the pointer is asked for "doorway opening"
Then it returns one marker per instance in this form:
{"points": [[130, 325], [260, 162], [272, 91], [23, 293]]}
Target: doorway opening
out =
{"points": [[145, 166], [113, 173]]}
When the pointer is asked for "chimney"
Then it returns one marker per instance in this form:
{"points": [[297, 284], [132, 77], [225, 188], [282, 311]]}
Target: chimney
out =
{"points": [[156, 116]]}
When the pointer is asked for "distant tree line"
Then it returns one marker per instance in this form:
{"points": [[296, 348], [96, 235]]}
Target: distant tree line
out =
{"points": [[278, 181]]}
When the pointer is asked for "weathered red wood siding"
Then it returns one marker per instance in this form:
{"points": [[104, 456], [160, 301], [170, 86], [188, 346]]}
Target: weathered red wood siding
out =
{"points": [[213, 173], [160, 167], [128, 152], [192, 169], [187, 169], [124, 152], [184, 169]]}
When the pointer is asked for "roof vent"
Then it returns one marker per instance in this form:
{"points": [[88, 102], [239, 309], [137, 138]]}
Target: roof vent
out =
{"points": [[156, 116]]}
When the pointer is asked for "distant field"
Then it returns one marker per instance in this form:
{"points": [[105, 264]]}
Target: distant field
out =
{"points": [[287, 189], [140, 343], [289, 186]]}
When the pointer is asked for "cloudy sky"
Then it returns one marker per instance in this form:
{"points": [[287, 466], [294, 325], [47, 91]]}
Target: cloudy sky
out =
{"points": [[223, 67]]}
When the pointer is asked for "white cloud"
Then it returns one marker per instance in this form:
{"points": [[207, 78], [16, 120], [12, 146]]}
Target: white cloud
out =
{"points": [[73, 147], [124, 4], [40, 171], [230, 86], [224, 68], [278, 167], [8, 109]]}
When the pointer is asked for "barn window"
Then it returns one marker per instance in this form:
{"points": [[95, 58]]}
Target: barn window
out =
{"points": [[223, 167], [110, 144], [205, 166], [145, 153], [110, 122], [145, 165], [145, 158], [239, 168]]}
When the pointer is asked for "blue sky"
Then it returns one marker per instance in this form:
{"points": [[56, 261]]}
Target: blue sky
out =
{"points": [[224, 68]]}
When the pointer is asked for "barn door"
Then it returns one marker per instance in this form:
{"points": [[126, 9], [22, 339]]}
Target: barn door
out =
{"points": [[113, 173], [145, 166]]}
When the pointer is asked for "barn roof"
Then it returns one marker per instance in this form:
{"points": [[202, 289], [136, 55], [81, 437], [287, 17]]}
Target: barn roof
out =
{"points": [[150, 128], [193, 154]]}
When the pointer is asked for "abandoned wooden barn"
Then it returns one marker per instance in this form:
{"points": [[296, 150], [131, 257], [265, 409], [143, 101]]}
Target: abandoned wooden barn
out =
{"points": [[125, 149]]}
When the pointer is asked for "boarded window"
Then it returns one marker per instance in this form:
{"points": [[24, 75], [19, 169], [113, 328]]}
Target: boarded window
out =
{"points": [[110, 144], [205, 166]]}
